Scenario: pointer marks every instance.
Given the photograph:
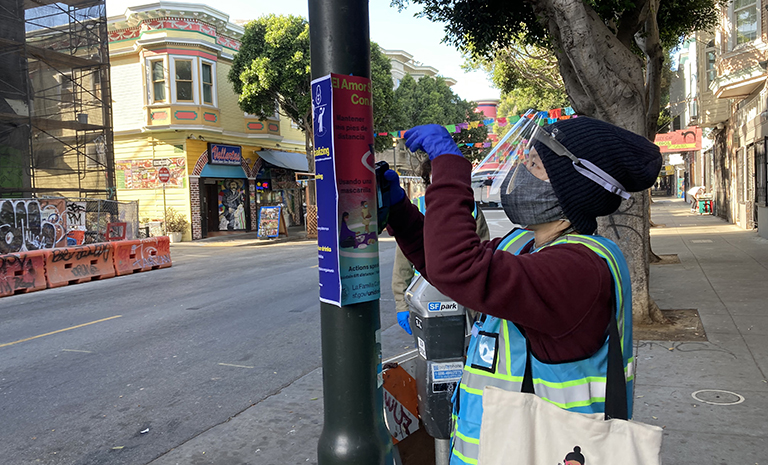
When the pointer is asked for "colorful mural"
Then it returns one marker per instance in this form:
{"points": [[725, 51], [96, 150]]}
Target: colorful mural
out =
{"points": [[142, 173], [231, 205]]}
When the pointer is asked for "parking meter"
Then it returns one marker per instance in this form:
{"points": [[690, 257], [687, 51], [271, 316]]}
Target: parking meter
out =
{"points": [[438, 324]]}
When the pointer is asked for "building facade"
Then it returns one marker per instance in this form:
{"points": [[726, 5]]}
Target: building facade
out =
{"points": [[55, 112], [723, 77], [174, 108], [741, 46], [403, 63]]}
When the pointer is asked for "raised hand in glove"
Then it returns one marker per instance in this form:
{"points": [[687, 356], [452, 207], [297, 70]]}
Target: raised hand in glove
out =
{"points": [[396, 193], [402, 319], [433, 139]]}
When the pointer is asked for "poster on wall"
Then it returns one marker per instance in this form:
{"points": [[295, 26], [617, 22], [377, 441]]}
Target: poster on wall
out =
{"points": [[348, 250], [269, 221], [231, 205], [142, 173]]}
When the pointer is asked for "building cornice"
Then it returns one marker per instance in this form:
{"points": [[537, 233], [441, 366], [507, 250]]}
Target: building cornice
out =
{"points": [[175, 16]]}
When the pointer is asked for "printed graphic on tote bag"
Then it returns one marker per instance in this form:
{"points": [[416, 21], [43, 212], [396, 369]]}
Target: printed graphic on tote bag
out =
{"points": [[574, 458]]}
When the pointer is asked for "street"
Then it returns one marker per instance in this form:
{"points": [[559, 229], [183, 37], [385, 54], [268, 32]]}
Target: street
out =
{"points": [[122, 370]]}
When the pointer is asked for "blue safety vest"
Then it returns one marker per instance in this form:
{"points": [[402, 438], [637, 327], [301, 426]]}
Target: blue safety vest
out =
{"points": [[422, 204], [498, 353]]}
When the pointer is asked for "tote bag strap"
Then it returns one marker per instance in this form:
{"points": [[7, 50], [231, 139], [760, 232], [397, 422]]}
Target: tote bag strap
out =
{"points": [[615, 383]]}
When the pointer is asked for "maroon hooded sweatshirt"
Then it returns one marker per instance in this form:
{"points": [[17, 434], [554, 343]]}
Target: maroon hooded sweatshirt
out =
{"points": [[560, 296]]}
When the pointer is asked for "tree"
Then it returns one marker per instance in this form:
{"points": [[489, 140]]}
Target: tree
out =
{"points": [[610, 56], [271, 73], [431, 101], [385, 107], [528, 78]]}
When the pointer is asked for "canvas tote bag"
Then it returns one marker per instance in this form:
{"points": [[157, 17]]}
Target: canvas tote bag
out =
{"points": [[522, 429]]}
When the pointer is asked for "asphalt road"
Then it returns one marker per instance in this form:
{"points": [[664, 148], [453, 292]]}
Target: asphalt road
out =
{"points": [[122, 370]]}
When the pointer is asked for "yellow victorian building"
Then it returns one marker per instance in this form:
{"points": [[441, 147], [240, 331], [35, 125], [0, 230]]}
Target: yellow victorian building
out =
{"points": [[176, 117]]}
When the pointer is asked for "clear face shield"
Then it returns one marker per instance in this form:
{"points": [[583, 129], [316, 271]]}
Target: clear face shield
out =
{"points": [[498, 173], [495, 175]]}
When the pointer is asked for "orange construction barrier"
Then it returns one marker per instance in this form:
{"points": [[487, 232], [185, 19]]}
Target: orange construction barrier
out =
{"points": [[141, 255], [71, 265], [156, 253], [22, 272], [128, 256]]}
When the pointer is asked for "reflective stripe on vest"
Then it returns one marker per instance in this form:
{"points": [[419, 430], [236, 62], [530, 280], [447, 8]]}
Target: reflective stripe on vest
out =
{"points": [[422, 204], [497, 357]]}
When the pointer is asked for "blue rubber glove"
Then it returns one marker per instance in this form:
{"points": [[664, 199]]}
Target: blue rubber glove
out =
{"points": [[396, 193], [402, 319], [433, 139]]}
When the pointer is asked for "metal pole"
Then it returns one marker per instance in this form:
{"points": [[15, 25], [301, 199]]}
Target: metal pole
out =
{"points": [[165, 214], [353, 431], [394, 155]]}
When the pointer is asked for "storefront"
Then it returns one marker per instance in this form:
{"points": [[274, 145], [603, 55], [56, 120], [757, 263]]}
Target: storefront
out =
{"points": [[276, 183], [224, 192], [229, 183]]}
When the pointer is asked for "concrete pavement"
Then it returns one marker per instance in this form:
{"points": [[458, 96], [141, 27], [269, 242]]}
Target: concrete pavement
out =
{"points": [[710, 397]]}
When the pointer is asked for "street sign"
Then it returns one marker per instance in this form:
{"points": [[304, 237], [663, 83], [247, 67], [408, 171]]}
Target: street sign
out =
{"points": [[163, 174]]}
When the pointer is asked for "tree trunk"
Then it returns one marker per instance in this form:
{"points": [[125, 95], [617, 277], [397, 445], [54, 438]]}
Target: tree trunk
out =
{"points": [[605, 79], [309, 146]]}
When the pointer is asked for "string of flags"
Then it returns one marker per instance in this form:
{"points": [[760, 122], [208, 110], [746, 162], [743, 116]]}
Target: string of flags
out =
{"points": [[543, 117]]}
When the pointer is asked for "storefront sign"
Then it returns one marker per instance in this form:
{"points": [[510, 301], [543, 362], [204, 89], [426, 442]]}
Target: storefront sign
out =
{"points": [[224, 154], [348, 248], [684, 140]]}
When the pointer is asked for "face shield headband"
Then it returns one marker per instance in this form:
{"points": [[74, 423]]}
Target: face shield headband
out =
{"points": [[583, 167]]}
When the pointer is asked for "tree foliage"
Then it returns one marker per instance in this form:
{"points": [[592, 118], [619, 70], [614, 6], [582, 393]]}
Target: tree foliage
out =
{"points": [[431, 101], [385, 107], [272, 73], [528, 77], [272, 69]]}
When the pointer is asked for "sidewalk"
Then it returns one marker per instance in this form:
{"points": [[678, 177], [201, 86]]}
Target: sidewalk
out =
{"points": [[295, 233], [722, 272]]}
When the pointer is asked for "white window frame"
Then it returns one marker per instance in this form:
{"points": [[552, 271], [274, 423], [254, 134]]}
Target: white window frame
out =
{"points": [[149, 85], [195, 79], [214, 98], [151, 82], [710, 73], [732, 42]]}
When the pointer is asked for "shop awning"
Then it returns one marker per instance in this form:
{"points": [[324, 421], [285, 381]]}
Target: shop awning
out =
{"points": [[290, 160], [222, 171]]}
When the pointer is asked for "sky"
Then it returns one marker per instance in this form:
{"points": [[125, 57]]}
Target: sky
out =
{"points": [[389, 28]]}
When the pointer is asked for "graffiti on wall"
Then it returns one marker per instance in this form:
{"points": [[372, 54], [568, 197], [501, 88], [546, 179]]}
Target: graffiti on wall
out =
{"points": [[231, 205], [76, 215], [27, 225]]}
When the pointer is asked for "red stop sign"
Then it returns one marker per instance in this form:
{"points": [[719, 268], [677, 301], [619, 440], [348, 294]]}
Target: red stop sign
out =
{"points": [[163, 174]]}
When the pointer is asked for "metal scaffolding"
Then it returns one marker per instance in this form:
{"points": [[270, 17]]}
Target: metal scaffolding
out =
{"points": [[55, 104]]}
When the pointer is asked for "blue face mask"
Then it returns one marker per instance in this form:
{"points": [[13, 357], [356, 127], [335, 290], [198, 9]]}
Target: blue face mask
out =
{"points": [[531, 200]]}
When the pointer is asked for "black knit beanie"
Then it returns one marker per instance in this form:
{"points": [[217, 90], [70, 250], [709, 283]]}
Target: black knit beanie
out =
{"points": [[629, 158]]}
